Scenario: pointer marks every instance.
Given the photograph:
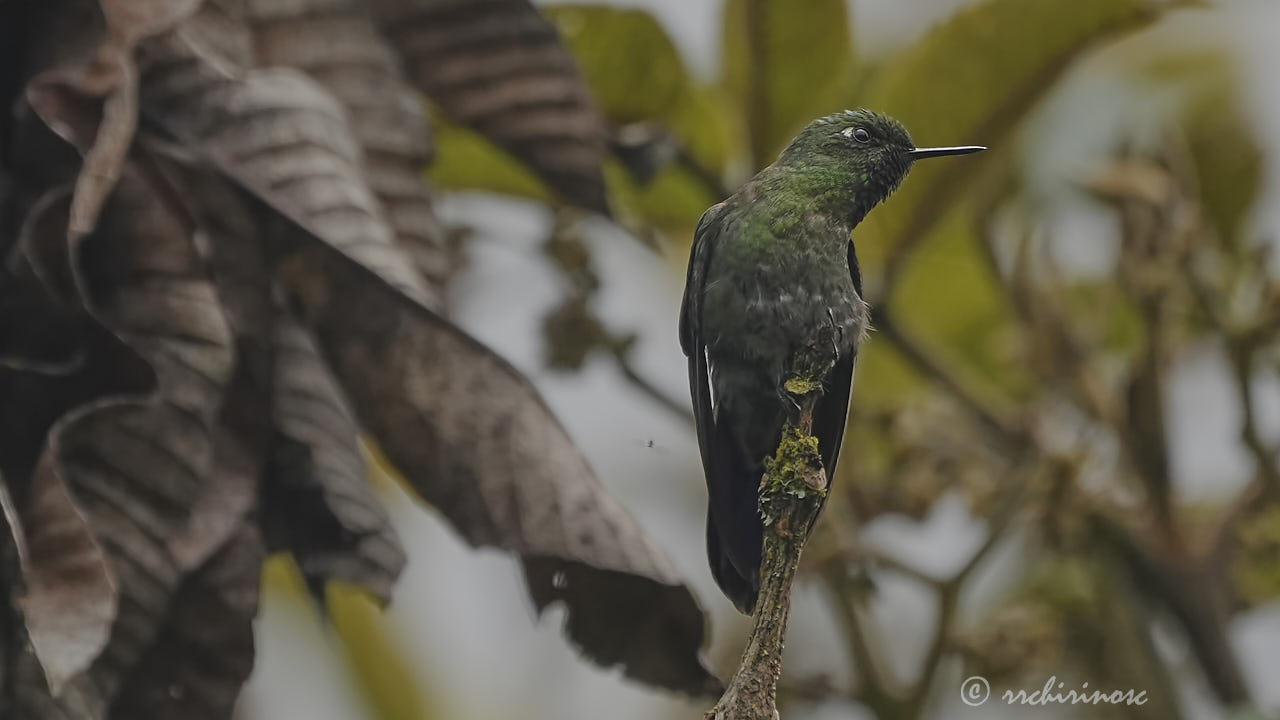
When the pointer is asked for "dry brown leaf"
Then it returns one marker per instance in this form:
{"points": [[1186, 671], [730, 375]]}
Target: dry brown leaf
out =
{"points": [[470, 431], [36, 334], [318, 498], [30, 698], [69, 603], [138, 468], [277, 132], [336, 44], [94, 104], [205, 649], [499, 67], [68, 596], [317, 501], [283, 139], [44, 377], [475, 440]]}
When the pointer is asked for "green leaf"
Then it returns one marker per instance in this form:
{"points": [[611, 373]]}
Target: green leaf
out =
{"points": [[465, 160], [1228, 161], [1225, 152], [631, 66], [785, 63], [951, 298], [883, 378], [672, 201], [952, 305], [379, 666], [704, 121], [971, 80], [637, 76], [376, 656]]}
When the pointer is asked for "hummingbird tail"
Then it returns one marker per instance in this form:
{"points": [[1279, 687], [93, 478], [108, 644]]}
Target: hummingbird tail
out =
{"points": [[734, 529], [740, 590]]}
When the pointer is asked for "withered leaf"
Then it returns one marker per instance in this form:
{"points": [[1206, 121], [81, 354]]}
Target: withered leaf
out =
{"points": [[337, 45], [30, 698], [138, 467], [56, 356], [339, 178], [69, 601], [318, 499], [275, 131], [317, 502], [68, 595], [475, 440], [499, 67], [36, 335], [94, 104], [290, 147], [205, 649]]}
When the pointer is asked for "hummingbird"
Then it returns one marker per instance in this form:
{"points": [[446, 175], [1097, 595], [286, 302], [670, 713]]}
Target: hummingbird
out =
{"points": [[772, 267]]}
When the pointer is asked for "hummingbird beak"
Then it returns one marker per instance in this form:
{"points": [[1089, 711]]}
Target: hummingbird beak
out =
{"points": [[922, 153]]}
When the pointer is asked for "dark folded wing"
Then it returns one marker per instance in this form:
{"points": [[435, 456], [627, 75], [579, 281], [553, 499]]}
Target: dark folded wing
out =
{"points": [[733, 526], [704, 241], [831, 412]]}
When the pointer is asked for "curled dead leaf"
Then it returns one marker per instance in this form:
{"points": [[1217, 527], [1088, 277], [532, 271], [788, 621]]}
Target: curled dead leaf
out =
{"points": [[318, 498], [476, 441], [336, 44], [276, 132], [498, 67], [205, 648]]}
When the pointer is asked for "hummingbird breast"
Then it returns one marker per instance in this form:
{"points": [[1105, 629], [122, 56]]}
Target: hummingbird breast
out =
{"points": [[768, 296]]}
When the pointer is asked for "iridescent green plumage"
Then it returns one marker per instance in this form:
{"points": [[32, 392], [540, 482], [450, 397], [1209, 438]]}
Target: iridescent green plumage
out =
{"points": [[771, 267]]}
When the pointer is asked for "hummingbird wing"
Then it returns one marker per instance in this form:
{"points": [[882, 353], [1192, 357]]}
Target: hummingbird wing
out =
{"points": [[704, 241], [722, 460], [831, 412]]}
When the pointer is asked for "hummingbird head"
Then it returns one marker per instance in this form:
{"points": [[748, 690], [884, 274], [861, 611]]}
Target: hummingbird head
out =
{"points": [[859, 154]]}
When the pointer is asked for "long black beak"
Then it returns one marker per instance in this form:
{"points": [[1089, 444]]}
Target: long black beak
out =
{"points": [[922, 153]]}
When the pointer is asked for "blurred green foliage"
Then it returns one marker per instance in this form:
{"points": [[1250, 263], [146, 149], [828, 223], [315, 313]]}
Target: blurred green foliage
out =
{"points": [[1257, 570], [633, 69], [785, 62], [973, 78], [1228, 161], [466, 160]]}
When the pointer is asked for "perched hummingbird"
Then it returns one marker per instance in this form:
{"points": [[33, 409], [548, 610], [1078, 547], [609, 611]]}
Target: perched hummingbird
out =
{"points": [[772, 267]]}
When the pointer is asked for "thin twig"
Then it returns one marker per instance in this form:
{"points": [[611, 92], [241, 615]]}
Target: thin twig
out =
{"points": [[873, 687], [622, 357], [1242, 347], [758, 99]]}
